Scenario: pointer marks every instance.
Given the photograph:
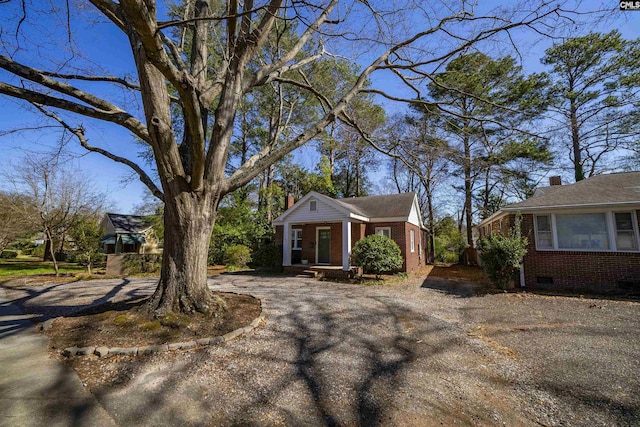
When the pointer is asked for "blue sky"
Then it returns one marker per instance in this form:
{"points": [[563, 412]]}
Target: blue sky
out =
{"points": [[103, 44]]}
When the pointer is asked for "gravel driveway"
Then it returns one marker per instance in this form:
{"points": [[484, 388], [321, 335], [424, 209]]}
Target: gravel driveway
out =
{"points": [[420, 353]]}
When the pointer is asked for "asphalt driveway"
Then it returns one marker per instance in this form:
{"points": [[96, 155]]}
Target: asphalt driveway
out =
{"points": [[419, 354]]}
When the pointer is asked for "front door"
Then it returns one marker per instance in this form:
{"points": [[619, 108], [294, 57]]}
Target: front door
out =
{"points": [[324, 246]]}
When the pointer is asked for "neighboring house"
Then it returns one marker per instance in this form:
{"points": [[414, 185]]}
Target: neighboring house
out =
{"points": [[322, 231], [581, 236], [127, 234]]}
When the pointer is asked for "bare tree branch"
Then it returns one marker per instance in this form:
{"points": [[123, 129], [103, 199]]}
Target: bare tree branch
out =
{"points": [[79, 133], [118, 116]]}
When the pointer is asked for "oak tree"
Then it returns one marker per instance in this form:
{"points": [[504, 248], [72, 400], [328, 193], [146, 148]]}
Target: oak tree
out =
{"points": [[198, 62]]}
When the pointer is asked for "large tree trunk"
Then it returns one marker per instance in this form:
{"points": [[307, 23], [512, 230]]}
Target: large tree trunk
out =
{"points": [[575, 142], [49, 249], [183, 280], [468, 191], [431, 257]]}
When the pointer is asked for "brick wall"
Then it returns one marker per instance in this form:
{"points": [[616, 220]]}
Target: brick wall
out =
{"points": [[308, 243], [414, 260], [278, 236], [572, 270], [358, 231], [400, 233]]}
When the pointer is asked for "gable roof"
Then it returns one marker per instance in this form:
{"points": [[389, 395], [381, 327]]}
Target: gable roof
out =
{"points": [[610, 189], [128, 224], [393, 207], [385, 206]]}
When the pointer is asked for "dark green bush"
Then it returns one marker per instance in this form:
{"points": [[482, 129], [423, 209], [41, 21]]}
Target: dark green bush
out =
{"points": [[377, 254], [6, 254], [25, 246], [501, 256], [142, 263], [98, 259], [268, 256], [72, 257], [38, 251], [237, 256], [237, 224]]}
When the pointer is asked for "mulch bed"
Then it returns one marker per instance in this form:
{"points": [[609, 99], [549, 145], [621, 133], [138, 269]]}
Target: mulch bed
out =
{"points": [[126, 324]]}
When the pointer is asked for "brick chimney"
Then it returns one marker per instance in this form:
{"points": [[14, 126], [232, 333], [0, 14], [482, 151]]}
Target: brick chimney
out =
{"points": [[288, 201], [555, 180]]}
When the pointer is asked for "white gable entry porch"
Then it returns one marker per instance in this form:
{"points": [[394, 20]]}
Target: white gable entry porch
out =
{"points": [[320, 229]]}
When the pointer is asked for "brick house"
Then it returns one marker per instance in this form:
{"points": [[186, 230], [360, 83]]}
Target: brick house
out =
{"points": [[320, 230], [582, 236]]}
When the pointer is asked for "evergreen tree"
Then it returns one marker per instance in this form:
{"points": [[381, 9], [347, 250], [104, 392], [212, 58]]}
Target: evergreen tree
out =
{"points": [[596, 94]]}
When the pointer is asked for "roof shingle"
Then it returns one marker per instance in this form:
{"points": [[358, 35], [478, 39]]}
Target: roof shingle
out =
{"points": [[386, 206], [128, 223], [609, 189]]}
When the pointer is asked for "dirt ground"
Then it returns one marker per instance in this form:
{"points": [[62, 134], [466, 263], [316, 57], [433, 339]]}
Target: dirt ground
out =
{"points": [[429, 351], [126, 324]]}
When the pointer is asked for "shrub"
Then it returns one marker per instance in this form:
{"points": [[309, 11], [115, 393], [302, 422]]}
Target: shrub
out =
{"points": [[237, 224], [141, 263], [38, 251], [72, 257], [8, 254], [25, 246], [98, 259], [501, 256], [268, 256], [237, 256], [450, 243], [377, 254]]}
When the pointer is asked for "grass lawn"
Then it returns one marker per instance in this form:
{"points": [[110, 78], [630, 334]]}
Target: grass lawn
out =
{"points": [[26, 266]]}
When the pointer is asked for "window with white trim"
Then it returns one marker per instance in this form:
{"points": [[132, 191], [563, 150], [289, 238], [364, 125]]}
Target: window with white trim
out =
{"points": [[582, 231], [591, 231], [626, 236], [296, 238], [412, 240], [384, 231], [544, 236]]}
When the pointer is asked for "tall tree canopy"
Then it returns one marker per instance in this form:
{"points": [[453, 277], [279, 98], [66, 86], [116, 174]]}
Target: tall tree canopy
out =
{"points": [[596, 89], [203, 62], [486, 105]]}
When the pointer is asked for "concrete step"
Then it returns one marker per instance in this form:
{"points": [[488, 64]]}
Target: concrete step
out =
{"points": [[310, 274]]}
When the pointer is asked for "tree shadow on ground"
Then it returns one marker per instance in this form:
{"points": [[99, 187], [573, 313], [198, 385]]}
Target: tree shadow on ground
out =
{"points": [[340, 373], [319, 360], [56, 395], [47, 302], [618, 411], [329, 365], [461, 289]]}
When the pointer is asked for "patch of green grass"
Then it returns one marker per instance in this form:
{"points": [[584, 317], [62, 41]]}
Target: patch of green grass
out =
{"points": [[27, 266], [175, 321], [152, 325], [124, 321]]}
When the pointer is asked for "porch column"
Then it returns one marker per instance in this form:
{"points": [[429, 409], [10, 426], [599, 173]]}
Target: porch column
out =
{"points": [[346, 245], [286, 245]]}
